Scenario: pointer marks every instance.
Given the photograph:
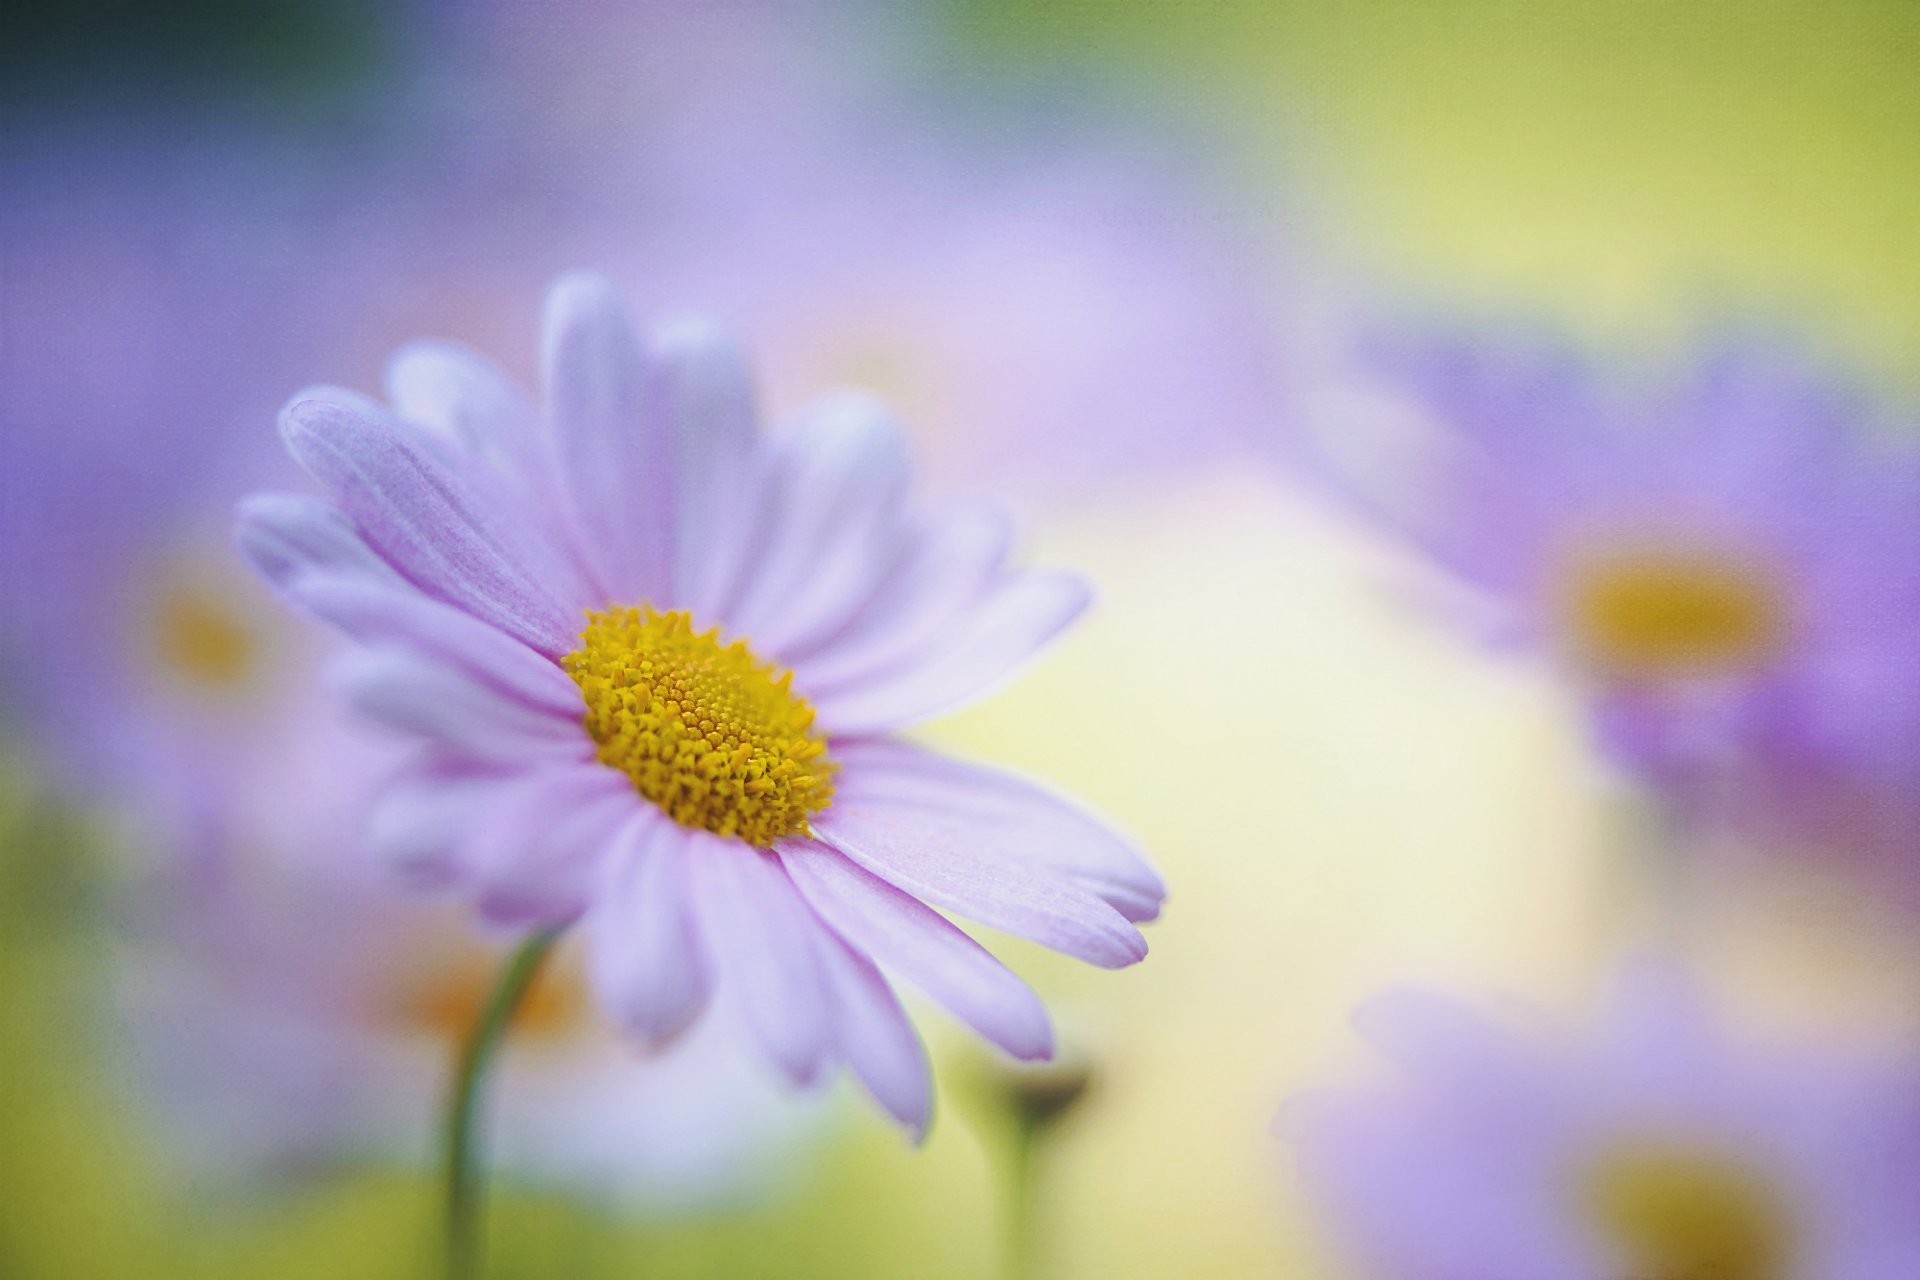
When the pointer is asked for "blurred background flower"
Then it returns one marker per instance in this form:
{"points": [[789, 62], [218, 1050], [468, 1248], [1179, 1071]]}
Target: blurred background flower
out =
{"points": [[1659, 1145], [1718, 551], [1105, 257]]}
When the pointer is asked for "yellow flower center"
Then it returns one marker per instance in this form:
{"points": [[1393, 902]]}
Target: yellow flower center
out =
{"points": [[201, 641], [707, 731], [1676, 1212], [1664, 612]]}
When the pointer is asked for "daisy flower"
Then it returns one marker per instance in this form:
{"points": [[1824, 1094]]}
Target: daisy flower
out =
{"points": [[1659, 1146], [253, 949], [657, 668], [1722, 557]]}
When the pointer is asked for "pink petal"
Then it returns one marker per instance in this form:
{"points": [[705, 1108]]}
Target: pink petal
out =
{"points": [[457, 392], [1006, 814], [710, 403], [284, 536], [434, 525], [880, 1043], [983, 649], [609, 416], [942, 569], [761, 941], [944, 863], [642, 956], [474, 720], [535, 857], [828, 524], [401, 617], [912, 940], [422, 816]]}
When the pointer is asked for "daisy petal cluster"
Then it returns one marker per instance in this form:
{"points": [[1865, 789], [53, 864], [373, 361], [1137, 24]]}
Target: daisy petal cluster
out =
{"points": [[656, 667], [1659, 1146]]}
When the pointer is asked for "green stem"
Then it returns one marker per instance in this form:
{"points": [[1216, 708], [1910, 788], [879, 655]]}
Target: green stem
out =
{"points": [[1020, 1260], [465, 1183]]}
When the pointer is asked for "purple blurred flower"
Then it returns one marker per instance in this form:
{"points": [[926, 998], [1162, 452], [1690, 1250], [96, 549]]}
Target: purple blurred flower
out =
{"points": [[1053, 303], [286, 1014], [1659, 1147], [1725, 559], [543, 595]]}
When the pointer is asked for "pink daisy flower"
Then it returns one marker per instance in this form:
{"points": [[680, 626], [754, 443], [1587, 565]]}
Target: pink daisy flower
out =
{"points": [[657, 668]]}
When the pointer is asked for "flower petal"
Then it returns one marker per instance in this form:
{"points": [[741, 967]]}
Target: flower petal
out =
{"points": [[945, 863], [283, 536], [983, 649], [876, 1035], [709, 399], [942, 570], [643, 958], [1008, 815], [760, 940], [828, 524], [911, 939], [401, 617], [433, 524], [609, 415], [534, 859], [470, 719], [457, 392], [422, 816]]}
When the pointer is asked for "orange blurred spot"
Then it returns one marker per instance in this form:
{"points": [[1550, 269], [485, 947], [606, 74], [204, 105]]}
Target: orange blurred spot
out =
{"points": [[199, 638], [449, 1001]]}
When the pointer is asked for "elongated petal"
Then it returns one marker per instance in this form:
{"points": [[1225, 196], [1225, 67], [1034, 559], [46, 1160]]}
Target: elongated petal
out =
{"points": [[984, 648], [400, 617], [432, 525], [284, 536], [613, 437], [876, 1035], [710, 401], [457, 392], [424, 814], [535, 860], [760, 938], [831, 513], [945, 864], [942, 570], [461, 715], [643, 958], [911, 939], [1007, 815]]}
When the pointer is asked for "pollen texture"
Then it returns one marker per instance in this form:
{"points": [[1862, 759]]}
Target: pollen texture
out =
{"points": [[707, 731]]}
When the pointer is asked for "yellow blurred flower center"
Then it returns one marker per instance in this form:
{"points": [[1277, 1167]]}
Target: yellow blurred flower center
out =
{"points": [[201, 641], [1681, 1213], [707, 731], [1667, 612]]}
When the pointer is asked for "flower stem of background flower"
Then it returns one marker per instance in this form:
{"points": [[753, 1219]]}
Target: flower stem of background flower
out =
{"points": [[465, 1185], [1020, 1260]]}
